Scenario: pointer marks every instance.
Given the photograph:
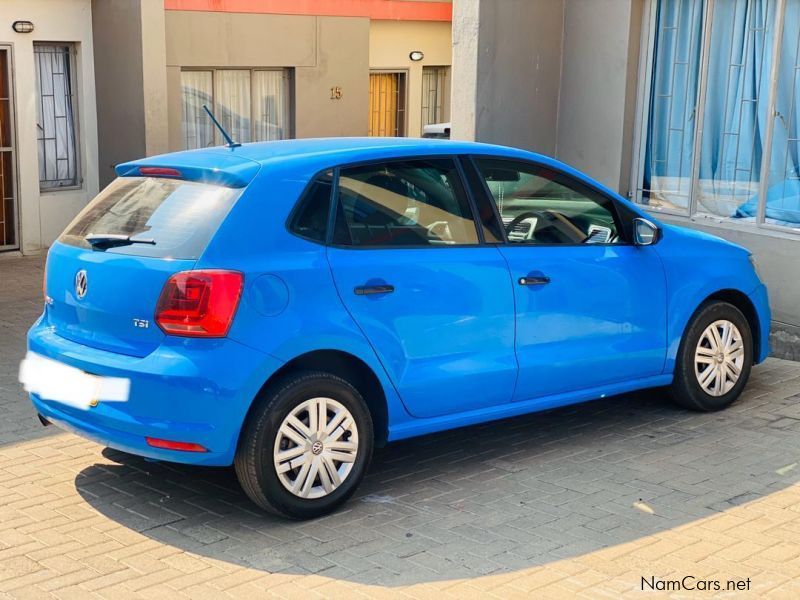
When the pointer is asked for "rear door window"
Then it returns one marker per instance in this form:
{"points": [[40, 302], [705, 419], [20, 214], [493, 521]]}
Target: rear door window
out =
{"points": [[179, 216], [403, 203]]}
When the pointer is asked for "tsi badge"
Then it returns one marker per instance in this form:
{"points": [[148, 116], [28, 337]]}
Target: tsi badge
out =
{"points": [[141, 323]]}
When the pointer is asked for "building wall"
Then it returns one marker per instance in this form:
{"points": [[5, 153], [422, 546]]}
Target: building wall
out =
{"points": [[599, 69], [512, 74], [323, 51], [43, 215], [391, 42]]}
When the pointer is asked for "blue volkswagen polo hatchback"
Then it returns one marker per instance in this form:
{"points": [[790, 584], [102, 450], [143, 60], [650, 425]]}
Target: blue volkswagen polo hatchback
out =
{"points": [[284, 307]]}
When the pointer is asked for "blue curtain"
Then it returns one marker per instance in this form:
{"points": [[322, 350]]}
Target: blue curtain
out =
{"points": [[676, 68], [735, 111]]}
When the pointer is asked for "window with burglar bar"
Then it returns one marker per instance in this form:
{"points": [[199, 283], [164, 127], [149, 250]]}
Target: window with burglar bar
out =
{"points": [[721, 111], [435, 95], [55, 116], [252, 105]]}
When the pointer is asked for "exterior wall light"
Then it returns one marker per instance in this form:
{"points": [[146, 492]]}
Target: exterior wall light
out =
{"points": [[416, 55], [22, 26]]}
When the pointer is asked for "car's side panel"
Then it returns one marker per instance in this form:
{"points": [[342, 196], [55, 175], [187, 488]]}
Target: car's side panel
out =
{"points": [[290, 305], [415, 427], [715, 266], [446, 332], [601, 318]]}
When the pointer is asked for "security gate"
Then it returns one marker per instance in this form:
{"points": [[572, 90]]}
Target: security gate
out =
{"points": [[8, 198]]}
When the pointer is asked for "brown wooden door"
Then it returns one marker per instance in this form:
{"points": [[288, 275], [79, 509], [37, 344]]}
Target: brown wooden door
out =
{"points": [[387, 104]]}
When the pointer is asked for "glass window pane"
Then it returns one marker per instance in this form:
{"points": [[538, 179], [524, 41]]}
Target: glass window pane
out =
{"points": [[232, 95], [196, 90], [783, 191], [667, 173], [409, 203], [311, 220], [55, 116], [181, 216], [271, 111], [735, 112], [434, 90], [541, 206]]}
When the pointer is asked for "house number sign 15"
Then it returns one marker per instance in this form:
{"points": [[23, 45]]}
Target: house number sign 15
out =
{"points": [[336, 93]]}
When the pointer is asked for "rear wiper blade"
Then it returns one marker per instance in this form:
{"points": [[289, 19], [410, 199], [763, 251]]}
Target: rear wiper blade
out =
{"points": [[111, 240]]}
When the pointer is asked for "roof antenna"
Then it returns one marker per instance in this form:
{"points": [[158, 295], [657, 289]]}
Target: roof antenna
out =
{"points": [[230, 143]]}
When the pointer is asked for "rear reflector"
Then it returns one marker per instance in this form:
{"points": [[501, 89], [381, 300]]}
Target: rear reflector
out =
{"points": [[159, 172], [170, 445], [199, 303]]}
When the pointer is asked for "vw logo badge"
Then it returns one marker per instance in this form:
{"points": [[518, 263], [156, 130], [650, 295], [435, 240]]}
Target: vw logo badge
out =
{"points": [[81, 283]]}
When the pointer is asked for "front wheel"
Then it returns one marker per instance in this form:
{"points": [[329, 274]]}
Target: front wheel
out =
{"points": [[306, 446], [714, 358]]}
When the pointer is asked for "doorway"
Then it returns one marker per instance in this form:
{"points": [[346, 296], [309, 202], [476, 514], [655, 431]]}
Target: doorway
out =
{"points": [[387, 103], [8, 201]]}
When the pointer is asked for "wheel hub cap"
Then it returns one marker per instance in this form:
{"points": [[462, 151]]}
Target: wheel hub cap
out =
{"points": [[316, 447], [719, 357]]}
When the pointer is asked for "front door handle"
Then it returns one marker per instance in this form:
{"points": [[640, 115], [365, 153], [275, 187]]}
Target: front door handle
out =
{"points": [[534, 280], [366, 290]]}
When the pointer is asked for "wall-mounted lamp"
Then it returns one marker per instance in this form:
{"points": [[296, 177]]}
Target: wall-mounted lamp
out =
{"points": [[22, 26], [416, 55]]}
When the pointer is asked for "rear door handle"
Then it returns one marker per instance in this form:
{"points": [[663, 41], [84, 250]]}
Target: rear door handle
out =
{"points": [[534, 280], [366, 290]]}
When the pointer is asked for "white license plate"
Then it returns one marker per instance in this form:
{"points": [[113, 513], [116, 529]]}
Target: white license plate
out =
{"points": [[53, 380]]}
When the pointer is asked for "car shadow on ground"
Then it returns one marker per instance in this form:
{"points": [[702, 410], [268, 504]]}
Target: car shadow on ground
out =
{"points": [[485, 499]]}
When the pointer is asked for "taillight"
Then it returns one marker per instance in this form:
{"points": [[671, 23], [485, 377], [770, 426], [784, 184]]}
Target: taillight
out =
{"points": [[199, 303], [159, 172]]}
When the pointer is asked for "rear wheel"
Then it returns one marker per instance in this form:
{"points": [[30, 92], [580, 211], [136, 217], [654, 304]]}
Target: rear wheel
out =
{"points": [[714, 358], [305, 446]]}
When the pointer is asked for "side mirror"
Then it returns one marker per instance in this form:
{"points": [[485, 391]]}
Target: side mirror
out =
{"points": [[645, 233]]}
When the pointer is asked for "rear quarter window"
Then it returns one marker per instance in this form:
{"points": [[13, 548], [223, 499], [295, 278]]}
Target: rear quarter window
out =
{"points": [[180, 216]]}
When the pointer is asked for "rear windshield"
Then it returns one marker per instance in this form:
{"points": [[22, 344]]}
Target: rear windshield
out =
{"points": [[180, 216]]}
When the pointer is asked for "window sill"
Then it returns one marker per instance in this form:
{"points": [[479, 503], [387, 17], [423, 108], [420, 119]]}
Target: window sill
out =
{"points": [[729, 224]]}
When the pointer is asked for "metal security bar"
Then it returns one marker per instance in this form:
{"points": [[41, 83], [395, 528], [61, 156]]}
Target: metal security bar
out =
{"points": [[745, 150], [387, 95], [8, 205], [434, 91], [55, 123]]}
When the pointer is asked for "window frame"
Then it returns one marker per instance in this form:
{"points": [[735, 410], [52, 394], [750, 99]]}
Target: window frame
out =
{"points": [[402, 98], [76, 120], [334, 206], [444, 93], [288, 74], [693, 212], [580, 186]]}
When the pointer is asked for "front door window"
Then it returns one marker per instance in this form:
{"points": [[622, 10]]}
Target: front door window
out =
{"points": [[538, 205]]}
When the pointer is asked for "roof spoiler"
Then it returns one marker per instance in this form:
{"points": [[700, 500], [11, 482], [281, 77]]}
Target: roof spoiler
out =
{"points": [[205, 167]]}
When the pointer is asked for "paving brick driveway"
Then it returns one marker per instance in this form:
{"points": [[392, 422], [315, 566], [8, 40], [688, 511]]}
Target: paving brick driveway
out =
{"points": [[580, 501]]}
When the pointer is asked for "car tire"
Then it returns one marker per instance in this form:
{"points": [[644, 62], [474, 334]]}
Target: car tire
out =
{"points": [[714, 358], [288, 463]]}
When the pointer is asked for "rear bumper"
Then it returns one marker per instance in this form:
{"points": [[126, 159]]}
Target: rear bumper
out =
{"points": [[760, 301], [186, 390]]}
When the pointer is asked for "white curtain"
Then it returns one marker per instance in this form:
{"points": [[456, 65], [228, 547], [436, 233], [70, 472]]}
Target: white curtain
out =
{"points": [[198, 131], [272, 103], [55, 118], [233, 103]]}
